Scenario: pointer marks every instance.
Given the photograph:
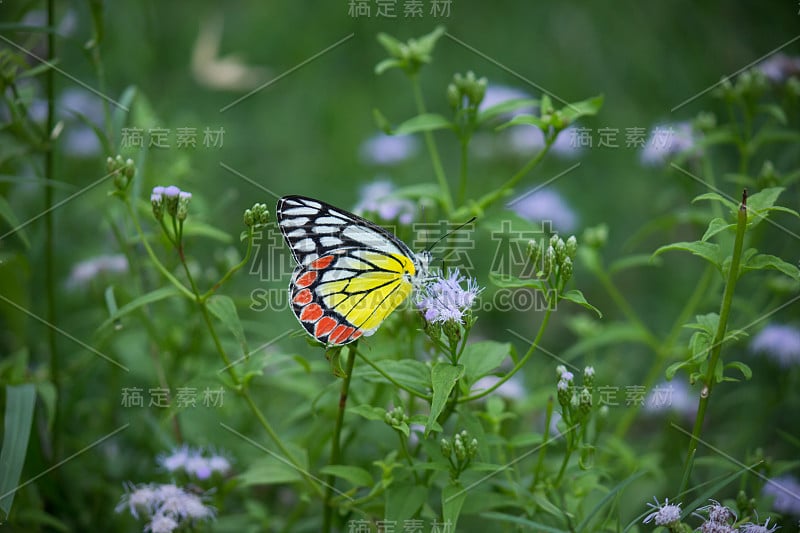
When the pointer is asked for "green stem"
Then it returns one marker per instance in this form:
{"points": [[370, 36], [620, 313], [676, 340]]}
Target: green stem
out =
{"points": [[543, 451], [462, 190], [49, 240], [438, 169], [161, 268], [719, 337], [667, 345], [233, 269], [518, 366], [501, 192], [242, 390], [337, 431]]}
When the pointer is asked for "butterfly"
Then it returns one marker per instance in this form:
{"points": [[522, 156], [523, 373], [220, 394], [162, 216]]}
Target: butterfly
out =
{"points": [[351, 273]]}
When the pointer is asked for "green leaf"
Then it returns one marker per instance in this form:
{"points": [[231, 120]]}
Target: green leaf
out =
{"points": [[775, 111], [119, 115], [730, 204], [763, 199], [506, 106], [765, 261], [355, 475], [673, 369], [136, 303], [390, 44], [482, 357], [443, 378], [577, 297], [8, 214], [369, 412], [747, 373], [424, 122], [20, 400], [588, 107], [525, 120], [707, 250], [223, 308], [403, 500], [409, 372], [49, 396], [715, 226], [607, 498], [387, 64], [453, 496]]}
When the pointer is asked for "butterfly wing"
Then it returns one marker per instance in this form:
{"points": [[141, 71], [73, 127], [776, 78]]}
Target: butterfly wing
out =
{"points": [[351, 273]]}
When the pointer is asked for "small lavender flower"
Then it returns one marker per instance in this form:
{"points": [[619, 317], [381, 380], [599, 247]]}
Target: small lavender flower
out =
{"points": [[389, 149], [589, 371], [672, 396], [567, 376], [779, 342], [513, 389], [194, 463], [786, 491], [664, 515], [172, 192], [175, 460], [669, 140], [779, 67], [377, 197], [525, 140], [161, 524], [718, 513], [497, 94], [757, 528], [84, 272], [445, 300], [545, 204]]}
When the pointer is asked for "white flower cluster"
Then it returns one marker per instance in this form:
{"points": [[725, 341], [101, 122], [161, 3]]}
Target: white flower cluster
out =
{"points": [[166, 506], [194, 463]]}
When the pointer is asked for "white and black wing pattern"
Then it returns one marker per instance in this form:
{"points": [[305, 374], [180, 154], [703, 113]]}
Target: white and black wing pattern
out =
{"points": [[313, 229]]}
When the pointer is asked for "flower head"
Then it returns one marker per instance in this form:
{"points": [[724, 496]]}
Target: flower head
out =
{"points": [[446, 300], [669, 140], [780, 342], [779, 67], [85, 271], [194, 462], [673, 396], [161, 524], [377, 197], [513, 389], [786, 491], [757, 528], [664, 515], [545, 204], [389, 149]]}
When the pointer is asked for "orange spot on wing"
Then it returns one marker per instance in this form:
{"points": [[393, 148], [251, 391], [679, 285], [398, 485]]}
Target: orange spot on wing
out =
{"points": [[303, 297], [340, 334], [356, 334], [322, 262], [311, 313], [324, 326], [306, 279]]}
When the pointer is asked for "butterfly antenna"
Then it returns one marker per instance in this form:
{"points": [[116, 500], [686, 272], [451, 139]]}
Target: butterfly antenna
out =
{"points": [[440, 239]]}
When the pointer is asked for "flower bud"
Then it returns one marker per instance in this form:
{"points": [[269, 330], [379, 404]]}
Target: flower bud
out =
{"points": [[453, 96], [566, 270], [585, 401], [534, 252], [548, 262], [183, 205], [171, 195], [157, 201], [561, 251], [588, 376], [572, 247], [445, 447]]}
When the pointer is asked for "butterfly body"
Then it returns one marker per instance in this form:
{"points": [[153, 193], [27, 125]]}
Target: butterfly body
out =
{"points": [[351, 273]]}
